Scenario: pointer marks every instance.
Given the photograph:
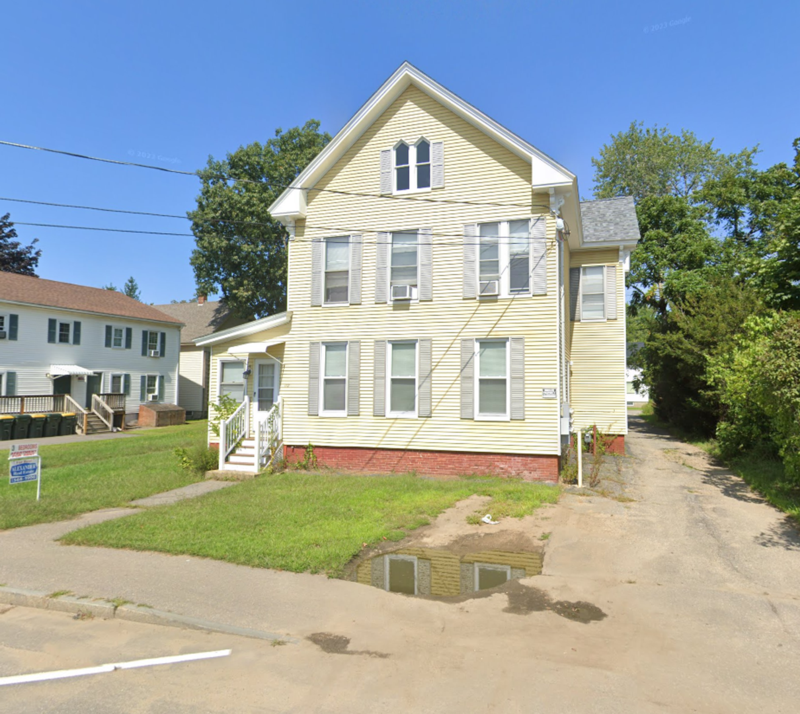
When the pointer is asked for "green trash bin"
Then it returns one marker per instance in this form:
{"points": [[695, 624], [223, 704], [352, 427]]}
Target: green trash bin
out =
{"points": [[68, 422], [22, 423], [6, 427], [36, 429], [51, 425]]}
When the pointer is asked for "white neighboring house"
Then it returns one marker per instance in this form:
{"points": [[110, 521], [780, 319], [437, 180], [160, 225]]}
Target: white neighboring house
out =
{"points": [[64, 339], [635, 397], [200, 319]]}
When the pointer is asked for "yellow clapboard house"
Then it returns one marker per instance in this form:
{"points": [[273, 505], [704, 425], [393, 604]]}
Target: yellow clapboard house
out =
{"points": [[453, 307]]}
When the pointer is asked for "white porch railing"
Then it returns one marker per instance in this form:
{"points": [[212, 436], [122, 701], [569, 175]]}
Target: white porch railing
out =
{"points": [[104, 412], [232, 430], [269, 436]]}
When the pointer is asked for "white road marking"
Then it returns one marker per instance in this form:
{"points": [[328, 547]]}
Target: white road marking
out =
{"points": [[100, 669]]}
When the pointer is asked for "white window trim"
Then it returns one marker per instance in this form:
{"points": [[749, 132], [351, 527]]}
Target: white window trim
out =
{"points": [[121, 376], [122, 329], [147, 391], [264, 360], [397, 556], [158, 342], [389, 357], [477, 372], [490, 566], [325, 303], [580, 297], [412, 166], [58, 332], [322, 355], [504, 256], [5, 325], [415, 291], [220, 383]]}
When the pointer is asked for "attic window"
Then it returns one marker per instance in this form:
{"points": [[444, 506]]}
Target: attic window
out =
{"points": [[412, 166]]}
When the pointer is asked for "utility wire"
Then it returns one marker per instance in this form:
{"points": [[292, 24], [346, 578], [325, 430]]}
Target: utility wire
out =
{"points": [[421, 199]]}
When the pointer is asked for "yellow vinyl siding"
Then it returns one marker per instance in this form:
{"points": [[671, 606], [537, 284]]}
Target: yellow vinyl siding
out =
{"points": [[598, 358], [477, 169]]}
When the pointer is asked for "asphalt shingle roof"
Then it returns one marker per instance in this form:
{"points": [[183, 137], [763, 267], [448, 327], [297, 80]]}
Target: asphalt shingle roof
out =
{"points": [[51, 293], [198, 320], [610, 219]]}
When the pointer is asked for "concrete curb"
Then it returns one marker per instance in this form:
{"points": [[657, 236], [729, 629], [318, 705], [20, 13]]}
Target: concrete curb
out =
{"points": [[107, 610]]}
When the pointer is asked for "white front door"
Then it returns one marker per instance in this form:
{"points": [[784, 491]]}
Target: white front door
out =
{"points": [[266, 383]]}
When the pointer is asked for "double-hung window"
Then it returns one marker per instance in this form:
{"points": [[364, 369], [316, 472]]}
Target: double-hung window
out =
{"points": [[334, 379], [63, 332], [117, 383], [118, 337], [151, 385], [404, 262], [593, 290], [337, 269], [402, 385], [152, 342], [492, 379], [412, 166], [504, 258], [231, 379]]}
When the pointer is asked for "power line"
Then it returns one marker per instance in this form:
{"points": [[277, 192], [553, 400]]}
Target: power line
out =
{"points": [[421, 199], [108, 230]]}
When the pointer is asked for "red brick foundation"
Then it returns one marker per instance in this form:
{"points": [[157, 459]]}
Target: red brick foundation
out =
{"points": [[431, 463]]}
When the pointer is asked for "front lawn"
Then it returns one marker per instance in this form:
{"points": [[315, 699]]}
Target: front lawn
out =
{"points": [[304, 522], [82, 477]]}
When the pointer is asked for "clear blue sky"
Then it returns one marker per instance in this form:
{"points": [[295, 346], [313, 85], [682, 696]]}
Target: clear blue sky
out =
{"points": [[180, 81]]}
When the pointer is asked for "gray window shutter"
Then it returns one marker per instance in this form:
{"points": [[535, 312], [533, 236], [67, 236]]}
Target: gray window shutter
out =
{"points": [[317, 260], [161, 391], [108, 335], [539, 255], [611, 292], [379, 397], [424, 409], [126, 384], [13, 326], [143, 388], [353, 377], [386, 171], [425, 240], [128, 337], [575, 294], [467, 379], [470, 260], [517, 377], [51, 330], [144, 343], [76, 333], [355, 269], [437, 164], [382, 267], [313, 378], [163, 350], [11, 384]]}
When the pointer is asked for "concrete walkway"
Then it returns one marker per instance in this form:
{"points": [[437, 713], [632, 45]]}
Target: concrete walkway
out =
{"points": [[698, 579]]}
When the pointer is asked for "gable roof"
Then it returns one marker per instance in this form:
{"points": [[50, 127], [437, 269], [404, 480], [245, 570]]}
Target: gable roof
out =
{"points": [[545, 171], [610, 220], [27, 290], [198, 320]]}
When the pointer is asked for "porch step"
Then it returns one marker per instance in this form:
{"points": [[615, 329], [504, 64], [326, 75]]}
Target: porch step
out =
{"points": [[95, 425]]}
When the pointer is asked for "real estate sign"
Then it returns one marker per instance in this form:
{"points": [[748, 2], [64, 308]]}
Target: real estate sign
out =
{"points": [[23, 470], [26, 465]]}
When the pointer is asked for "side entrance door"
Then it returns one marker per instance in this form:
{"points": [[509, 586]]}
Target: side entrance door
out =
{"points": [[266, 384], [62, 385], [92, 387]]}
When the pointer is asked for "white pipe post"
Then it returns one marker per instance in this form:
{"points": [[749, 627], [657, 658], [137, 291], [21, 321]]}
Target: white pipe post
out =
{"points": [[39, 477], [579, 437]]}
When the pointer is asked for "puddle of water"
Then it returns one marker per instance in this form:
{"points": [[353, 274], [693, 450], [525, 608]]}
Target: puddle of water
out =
{"points": [[339, 644]]}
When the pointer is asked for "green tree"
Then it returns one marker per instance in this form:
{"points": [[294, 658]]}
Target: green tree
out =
{"points": [[241, 251], [131, 289], [14, 257], [111, 286]]}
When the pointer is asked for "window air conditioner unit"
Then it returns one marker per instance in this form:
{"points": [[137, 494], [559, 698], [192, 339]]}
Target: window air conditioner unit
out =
{"points": [[489, 287], [152, 397], [2, 334], [401, 292], [155, 353]]}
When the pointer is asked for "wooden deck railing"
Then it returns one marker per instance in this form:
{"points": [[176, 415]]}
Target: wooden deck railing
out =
{"points": [[115, 400], [33, 403]]}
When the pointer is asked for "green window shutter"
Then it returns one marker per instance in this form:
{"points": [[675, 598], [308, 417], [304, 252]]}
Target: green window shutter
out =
{"points": [[52, 326], [575, 294], [538, 233], [76, 333], [425, 248], [467, 379], [379, 380], [355, 269], [163, 350], [109, 330], [11, 384], [517, 345], [611, 292], [317, 259], [161, 391], [313, 378], [353, 377], [126, 384], [144, 343], [382, 267], [470, 260], [128, 337], [13, 326], [424, 347], [143, 388]]}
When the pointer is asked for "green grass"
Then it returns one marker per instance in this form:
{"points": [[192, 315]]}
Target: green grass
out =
{"points": [[82, 477], [304, 522]]}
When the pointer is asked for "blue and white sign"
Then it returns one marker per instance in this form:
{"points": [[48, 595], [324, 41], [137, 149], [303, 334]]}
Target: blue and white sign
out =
{"points": [[24, 470]]}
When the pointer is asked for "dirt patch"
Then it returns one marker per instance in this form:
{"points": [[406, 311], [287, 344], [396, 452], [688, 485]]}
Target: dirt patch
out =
{"points": [[339, 644], [512, 541], [689, 456]]}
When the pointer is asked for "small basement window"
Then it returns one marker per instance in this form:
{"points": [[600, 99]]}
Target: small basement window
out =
{"points": [[490, 575], [401, 574]]}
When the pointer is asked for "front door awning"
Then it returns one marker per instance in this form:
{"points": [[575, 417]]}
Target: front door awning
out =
{"points": [[63, 370], [252, 348]]}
